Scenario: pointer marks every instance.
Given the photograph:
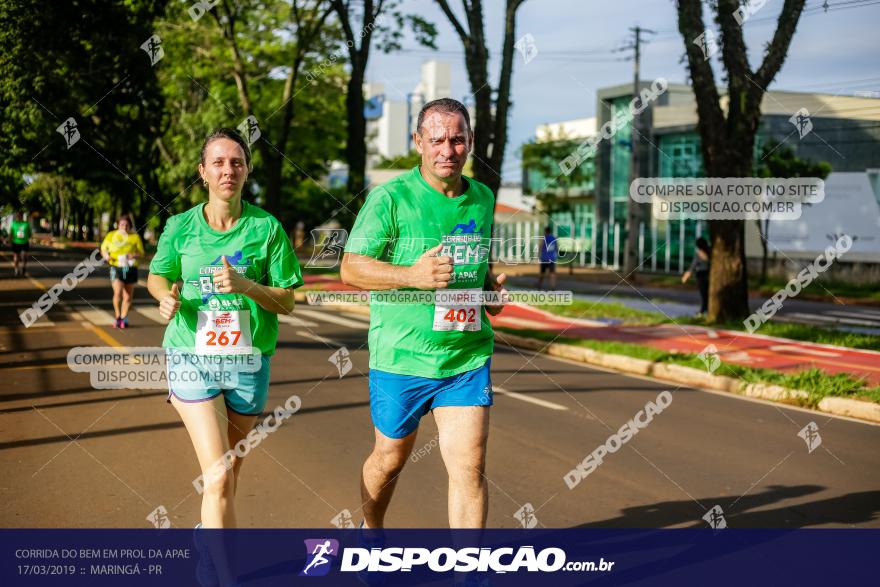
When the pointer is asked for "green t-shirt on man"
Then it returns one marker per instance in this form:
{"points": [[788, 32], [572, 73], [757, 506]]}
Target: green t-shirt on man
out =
{"points": [[189, 249], [20, 230], [400, 220]]}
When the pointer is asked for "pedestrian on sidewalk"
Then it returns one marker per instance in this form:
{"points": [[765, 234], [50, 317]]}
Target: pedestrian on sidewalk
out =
{"points": [[121, 249], [548, 255], [700, 269]]}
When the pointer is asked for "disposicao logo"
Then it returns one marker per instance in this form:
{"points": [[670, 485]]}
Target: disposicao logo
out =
{"points": [[320, 554]]}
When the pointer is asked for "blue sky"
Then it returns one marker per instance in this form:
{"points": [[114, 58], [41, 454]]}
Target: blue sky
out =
{"points": [[833, 52]]}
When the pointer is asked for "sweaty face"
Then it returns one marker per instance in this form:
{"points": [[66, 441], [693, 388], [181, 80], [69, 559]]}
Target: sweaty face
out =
{"points": [[225, 168], [444, 143]]}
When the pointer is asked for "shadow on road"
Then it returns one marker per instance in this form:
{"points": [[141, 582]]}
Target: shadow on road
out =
{"points": [[750, 511]]}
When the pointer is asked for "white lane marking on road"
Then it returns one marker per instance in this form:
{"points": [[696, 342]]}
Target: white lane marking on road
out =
{"points": [[333, 319], [861, 315], [41, 322], [529, 399], [793, 348], [830, 319], [319, 338], [360, 317], [296, 321], [151, 313], [97, 317]]}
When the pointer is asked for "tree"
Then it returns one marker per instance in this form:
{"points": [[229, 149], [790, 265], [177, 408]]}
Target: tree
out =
{"points": [[360, 28], [59, 62], [543, 157], [266, 39], [490, 127], [727, 141], [779, 161], [407, 161]]}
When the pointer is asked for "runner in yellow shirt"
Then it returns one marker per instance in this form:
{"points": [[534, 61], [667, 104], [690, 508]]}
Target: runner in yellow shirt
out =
{"points": [[121, 249]]}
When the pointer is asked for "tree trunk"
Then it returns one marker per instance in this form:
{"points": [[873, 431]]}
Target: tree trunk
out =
{"points": [[728, 277], [272, 191], [762, 230], [356, 143]]}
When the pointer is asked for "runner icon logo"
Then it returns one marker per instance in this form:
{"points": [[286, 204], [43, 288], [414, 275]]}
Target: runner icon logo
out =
{"points": [[320, 555], [715, 518], [342, 360], [343, 519], [469, 228], [159, 518], [709, 357], [526, 516], [810, 434]]}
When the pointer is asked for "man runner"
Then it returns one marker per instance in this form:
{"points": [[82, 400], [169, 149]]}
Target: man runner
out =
{"points": [[20, 236], [429, 229]]}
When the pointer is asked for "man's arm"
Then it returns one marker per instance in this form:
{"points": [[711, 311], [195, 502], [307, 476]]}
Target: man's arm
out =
{"points": [[429, 272], [496, 284]]}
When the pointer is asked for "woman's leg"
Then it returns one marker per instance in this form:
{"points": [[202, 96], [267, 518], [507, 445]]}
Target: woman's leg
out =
{"points": [[207, 425], [703, 285], [117, 296], [127, 293], [239, 426]]}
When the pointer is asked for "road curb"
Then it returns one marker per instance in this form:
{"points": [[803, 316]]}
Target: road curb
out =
{"points": [[689, 376], [843, 406]]}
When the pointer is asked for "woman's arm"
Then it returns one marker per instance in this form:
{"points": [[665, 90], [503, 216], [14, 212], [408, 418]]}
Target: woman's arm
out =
{"points": [[166, 293], [278, 300]]}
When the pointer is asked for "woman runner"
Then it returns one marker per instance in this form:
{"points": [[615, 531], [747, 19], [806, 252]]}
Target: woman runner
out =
{"points": [[238, 272], [121, 249]]}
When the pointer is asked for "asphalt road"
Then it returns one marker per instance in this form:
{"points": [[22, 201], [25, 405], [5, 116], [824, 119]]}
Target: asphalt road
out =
{"points": [[75, 456]]}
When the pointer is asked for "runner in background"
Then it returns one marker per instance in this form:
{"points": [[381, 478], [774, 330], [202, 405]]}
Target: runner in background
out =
{"points": [[121, 249], [547, 255], [20, 236], [238, 272]]}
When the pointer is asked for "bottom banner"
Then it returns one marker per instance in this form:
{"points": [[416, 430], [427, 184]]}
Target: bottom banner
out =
{"points": [[438, 557]]}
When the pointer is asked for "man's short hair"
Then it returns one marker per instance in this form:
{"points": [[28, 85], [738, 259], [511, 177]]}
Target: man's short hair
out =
{"points": [[447, 106]]}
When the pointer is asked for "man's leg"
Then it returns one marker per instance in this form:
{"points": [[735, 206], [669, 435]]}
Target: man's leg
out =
{"points": [[464, 431], [553, 277], [380, 475]]}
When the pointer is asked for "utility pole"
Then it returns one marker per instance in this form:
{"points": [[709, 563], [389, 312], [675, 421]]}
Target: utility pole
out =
{"points": [[633, 216]]}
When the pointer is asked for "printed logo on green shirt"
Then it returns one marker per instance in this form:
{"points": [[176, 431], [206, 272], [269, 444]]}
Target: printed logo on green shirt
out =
{"points": [[205, 282], [465, 248]]}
